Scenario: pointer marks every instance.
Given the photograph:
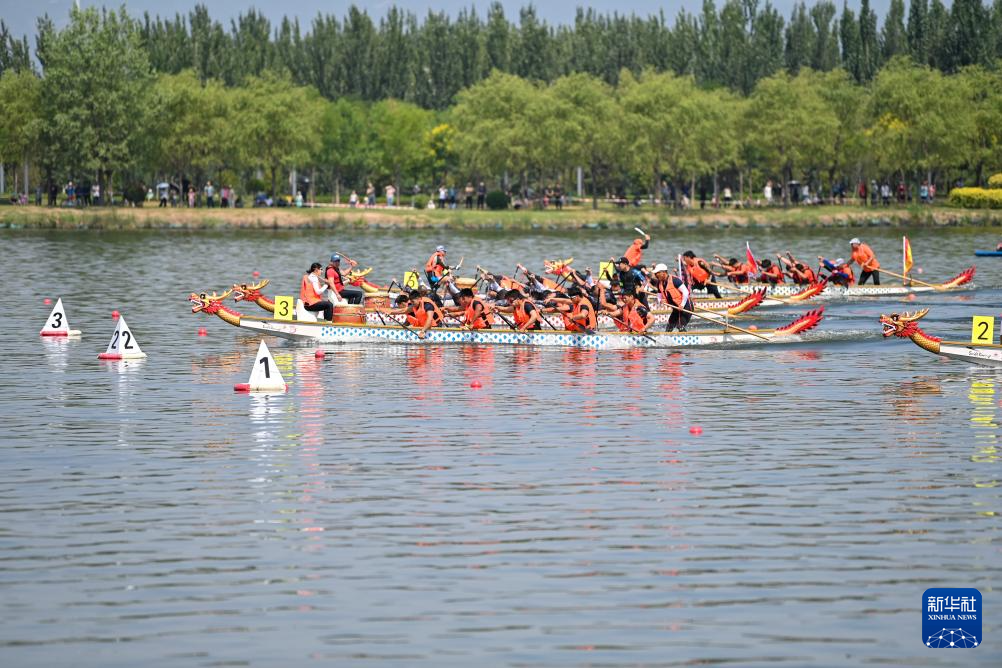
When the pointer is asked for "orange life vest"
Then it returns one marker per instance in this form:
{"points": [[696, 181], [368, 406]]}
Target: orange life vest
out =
{"points": [[669, 293], [521, 317], [864, 257], [472, 321], [808, 275], [775, 272], [635, 253], [583, 307], [695, 268], [434, 266], [633, 320], [847, 269], [421, 315], [307, 293]]}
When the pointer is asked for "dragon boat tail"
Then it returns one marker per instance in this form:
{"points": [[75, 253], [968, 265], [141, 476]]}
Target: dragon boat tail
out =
{"points": [[905, 325], [394, 332]]}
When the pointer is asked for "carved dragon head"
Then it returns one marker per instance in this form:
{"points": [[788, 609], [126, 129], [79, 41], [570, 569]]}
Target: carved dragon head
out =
{"points": [[357, 274], [248, 291], [902, 324], [206, 303], [558, 267]]}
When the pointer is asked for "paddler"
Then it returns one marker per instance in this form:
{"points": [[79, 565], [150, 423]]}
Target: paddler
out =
{"points": [[839, 271], [863, 255], [736, 272], [422, 312], [673, 292], [476, 315], [635, 253], [527, 316], [579, 313], [311, 292], [435, 267], [631, 279], [770, 273], [798, 272], [335, 282], [633, 316], [702, 275]]}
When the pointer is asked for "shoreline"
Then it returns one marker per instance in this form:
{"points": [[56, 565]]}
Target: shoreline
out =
{"points": [[151, 218]]}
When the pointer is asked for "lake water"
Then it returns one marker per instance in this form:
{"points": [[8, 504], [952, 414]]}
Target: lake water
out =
{"points": [[382, 512]]}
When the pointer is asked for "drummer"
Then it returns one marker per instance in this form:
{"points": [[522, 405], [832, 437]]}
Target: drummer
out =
{"points": [[335, 282]]}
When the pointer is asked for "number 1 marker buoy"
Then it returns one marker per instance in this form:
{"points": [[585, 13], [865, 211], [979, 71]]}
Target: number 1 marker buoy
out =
{"points": [[265, 377], [123, 345], [57, 324]]}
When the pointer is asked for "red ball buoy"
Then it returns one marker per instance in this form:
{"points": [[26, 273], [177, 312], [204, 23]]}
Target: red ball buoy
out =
{"points": [[202, 331], [919, 270], [46, 301], [115, 314], [911, 297], [753, 327], [696, 430], [319, 354], [256, 273], [476, 385]]}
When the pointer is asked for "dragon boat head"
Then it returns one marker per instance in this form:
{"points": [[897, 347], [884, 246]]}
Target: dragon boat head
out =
{"points": [[248, 291], [902, 324], [558, 267], [357, 274], [206, 303]]}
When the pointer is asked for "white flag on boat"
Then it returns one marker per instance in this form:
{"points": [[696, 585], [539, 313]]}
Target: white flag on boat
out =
{"points": [[123, 345]]}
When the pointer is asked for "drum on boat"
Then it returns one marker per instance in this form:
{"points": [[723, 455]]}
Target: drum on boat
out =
{"points": [[381, 300], [465, 283], [352, 314]]}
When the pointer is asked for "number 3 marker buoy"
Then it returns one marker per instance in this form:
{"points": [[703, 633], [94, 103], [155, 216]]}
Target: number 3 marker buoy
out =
{"points": [[123, 345], [265, 377], [57, 324]]}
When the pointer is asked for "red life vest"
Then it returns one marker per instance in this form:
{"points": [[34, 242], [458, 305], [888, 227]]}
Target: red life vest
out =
{"points": [[436, 264], [334, 274], [696, 270]]}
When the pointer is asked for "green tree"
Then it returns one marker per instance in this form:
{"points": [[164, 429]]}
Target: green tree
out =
{"points": [[894, 39], [970, 35], [852, 59], [982, 100], [20, 116], [826, 55], [869, 42], [94, 92], [347, 150], [400, 129], [800, 40], [918, 30], [276, 125], [790, 124]]}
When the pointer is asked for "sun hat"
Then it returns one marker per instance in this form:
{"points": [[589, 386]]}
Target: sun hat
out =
{"points": [[439, 249], [854, 240], [660, 267]]}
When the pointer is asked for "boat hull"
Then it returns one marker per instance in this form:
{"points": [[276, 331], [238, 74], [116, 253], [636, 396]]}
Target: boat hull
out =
{"points": [[983, 355], [836, 292], [337, 333]]}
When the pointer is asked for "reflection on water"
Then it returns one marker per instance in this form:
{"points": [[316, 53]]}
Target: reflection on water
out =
{"points": [[416, 505]]}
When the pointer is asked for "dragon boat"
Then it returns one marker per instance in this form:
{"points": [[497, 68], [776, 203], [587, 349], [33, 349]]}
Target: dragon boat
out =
{"points": [[962, 281], [376, 303], [905, 325], [394, 332]]}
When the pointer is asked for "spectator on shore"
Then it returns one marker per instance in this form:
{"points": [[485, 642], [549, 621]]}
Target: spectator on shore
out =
{"points": [[224, 197], [443, 194], [299, 199], [391, 195], [452, 197], [558, 197], [767, 193], [149, 194], [481, 196], [353, 199], [885, 193], [468, 192], [902, 192], [71, 194], [370, 195], [210, 195], [95, 195], [728, 197], [924, 192], [191, 197], [162, 191]]}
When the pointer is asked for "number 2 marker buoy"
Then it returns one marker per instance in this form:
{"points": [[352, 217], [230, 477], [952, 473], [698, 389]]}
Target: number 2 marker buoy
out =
{"points": [[265, 377], [57, 324], [123, 345]]}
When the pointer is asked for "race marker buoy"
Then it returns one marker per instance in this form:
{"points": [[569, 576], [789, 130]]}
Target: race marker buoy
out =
{"points": [[115, 314], [57, 324], [202, 331], [265, 377], [46, 301], [319, 354], [476, 385], [256, 273], [123, 345], [695, 430]]}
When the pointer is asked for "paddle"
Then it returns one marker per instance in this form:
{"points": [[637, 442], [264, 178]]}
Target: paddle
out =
{"points": [[726, 325], [913, 280], [627, 325]]}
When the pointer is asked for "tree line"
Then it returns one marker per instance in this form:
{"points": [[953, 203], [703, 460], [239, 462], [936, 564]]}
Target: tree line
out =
{"points": [[111, 99]]}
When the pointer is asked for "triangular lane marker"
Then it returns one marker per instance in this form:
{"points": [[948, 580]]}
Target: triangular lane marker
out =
{"points": [[122, 346], [265, 376], [57, 324]]}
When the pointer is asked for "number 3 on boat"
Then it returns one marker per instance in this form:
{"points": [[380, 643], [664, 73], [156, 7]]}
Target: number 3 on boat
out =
{"points": [[283, 308], [982, 329]]}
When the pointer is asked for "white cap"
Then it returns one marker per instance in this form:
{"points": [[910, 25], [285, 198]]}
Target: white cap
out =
{"points": [[839, 262], [854, 240], [660, 267]]}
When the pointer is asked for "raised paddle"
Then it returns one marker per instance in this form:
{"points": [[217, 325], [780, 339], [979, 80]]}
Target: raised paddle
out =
{"points": [[726, 325], [913, 280]]}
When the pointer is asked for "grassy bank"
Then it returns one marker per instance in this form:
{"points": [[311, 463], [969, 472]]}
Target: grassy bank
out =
{"points": [[31, 217]]}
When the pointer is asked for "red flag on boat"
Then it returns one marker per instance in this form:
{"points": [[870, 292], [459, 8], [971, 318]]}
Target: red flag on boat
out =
{"points": [[906, 255], [751, 258]]}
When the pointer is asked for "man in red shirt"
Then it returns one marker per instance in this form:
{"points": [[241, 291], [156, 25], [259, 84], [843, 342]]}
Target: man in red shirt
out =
{"points": [[335, 281]]}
